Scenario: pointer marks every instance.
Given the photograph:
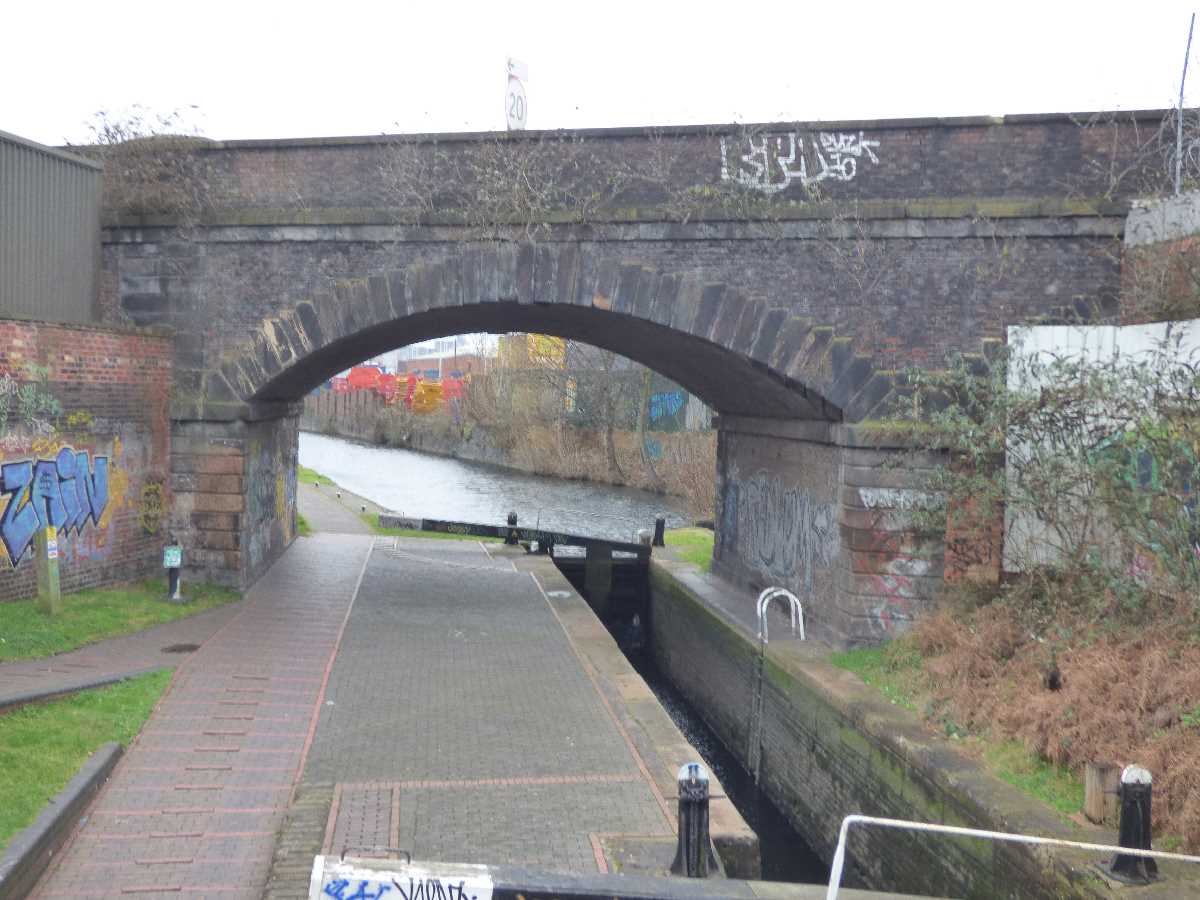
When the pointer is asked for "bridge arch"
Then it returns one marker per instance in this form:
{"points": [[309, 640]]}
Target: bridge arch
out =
{"points": [[785, 391], [738, 355]]}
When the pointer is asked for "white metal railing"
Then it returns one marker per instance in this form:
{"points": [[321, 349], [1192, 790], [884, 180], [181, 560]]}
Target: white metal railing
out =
{"points": [[754, 735], [795, 610], [839, 855]]}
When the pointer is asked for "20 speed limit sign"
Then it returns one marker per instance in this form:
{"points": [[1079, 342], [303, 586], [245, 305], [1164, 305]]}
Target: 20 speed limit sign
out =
{"points": [[516, 108]]}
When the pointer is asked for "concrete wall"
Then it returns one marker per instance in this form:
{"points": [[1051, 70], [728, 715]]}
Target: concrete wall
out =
{"points": [[831, 746], [85, 447]]}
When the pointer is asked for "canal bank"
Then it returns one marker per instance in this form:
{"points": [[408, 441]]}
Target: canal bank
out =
{"points": [[832, 746]]}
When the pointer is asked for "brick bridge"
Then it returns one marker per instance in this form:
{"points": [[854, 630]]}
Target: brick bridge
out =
{"points": [[786, 274]]}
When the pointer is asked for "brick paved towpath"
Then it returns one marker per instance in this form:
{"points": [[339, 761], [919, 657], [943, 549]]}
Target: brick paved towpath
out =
{"points": [[194, 806], [456, 700]]}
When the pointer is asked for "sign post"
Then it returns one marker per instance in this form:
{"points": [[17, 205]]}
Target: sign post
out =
{"points": [[45, 548], [172, 562], [516, 107]]}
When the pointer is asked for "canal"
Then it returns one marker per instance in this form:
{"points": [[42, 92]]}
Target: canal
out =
{"points": [[421, 485]]}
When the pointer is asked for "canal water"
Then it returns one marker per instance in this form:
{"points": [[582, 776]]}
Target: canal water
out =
{"points": [[424, 486], [419, 485]]}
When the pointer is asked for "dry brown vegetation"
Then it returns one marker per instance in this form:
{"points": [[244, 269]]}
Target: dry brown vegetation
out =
{"points": [[1129, 693]]}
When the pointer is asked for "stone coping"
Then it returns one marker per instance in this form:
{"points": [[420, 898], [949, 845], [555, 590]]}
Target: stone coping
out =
{"points": [[930, 208], [650, 131], [27, 855], [998, 805]]}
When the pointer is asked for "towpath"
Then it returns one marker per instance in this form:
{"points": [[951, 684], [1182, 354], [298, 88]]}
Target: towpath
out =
{"points": [[455, 700]]}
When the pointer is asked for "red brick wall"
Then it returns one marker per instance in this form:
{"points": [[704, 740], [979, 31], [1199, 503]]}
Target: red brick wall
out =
{"points": [[93, 391]]}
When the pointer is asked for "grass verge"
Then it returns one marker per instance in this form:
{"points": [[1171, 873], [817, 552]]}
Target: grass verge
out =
{"points": [[43, 745], [1054, 785], [303, 529], [695, 545], [306, 475], [88, 616], [891, 670], [896, 671], [371, 520]]}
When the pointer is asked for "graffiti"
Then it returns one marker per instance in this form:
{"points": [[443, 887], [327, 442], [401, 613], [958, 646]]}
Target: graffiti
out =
{"points": [[652, 448], [894, 610], [150, 510], [62, 493], [31, 404], [783, 531], [898, 498], [338, 887], [771, 162], [665, 405]]}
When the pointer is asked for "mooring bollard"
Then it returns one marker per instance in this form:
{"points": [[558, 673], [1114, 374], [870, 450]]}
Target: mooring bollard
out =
{"points": [[660, 532], [511, 538], [1134, 828], [173, 562], [694, 856]]}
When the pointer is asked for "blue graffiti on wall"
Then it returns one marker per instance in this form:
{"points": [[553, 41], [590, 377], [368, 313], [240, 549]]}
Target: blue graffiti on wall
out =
{"points": [[63, 492], [337, 890], [665, 405]]}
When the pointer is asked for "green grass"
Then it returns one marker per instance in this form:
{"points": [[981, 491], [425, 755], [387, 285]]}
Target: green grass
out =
{"points": [[1054, 785], [43, 745], [695, 545], [87, 616], [305, 475], [892, 670], [303, 529], [372, 521]]}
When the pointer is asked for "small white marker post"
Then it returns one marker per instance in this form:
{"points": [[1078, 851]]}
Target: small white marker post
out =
{"points": [[173, 562]]}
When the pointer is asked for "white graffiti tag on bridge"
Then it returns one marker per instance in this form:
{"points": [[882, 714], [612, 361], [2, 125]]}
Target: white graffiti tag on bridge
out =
{"points": [[769, 163]]}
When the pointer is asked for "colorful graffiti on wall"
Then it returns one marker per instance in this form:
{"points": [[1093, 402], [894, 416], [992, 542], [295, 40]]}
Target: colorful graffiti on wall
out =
{"points": [[64, 492]]}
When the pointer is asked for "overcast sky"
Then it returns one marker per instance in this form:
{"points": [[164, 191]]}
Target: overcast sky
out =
{"points": [[269, 70]]}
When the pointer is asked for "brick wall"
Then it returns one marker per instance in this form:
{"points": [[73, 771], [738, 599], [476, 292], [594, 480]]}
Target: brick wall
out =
{"points": [[85, 445]]}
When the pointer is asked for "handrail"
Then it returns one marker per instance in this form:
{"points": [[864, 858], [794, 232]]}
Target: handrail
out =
{"points": [[794, 608], [839, 855]]}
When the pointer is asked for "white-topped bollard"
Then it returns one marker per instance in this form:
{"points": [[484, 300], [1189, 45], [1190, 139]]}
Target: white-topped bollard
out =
{"points": [[1133, 831]]}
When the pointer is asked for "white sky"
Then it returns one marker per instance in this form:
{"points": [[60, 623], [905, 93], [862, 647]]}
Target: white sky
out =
{"points": [[297, 69]]}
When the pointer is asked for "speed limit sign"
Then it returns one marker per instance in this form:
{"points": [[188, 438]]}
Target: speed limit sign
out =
{"points": [[516, 108]]}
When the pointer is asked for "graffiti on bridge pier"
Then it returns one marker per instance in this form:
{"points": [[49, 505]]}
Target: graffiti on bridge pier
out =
{"points": [[63, 493]]}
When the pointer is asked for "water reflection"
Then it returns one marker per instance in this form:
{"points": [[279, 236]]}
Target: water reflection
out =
{"points": [[434, 487]]}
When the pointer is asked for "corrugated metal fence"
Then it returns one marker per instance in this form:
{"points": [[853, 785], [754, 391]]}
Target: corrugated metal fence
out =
{"points": [[49, 233]]}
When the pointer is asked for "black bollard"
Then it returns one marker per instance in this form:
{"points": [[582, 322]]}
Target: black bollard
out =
{"points": [[1134, 828], [511, 537], [660, 532], [694, 857]]}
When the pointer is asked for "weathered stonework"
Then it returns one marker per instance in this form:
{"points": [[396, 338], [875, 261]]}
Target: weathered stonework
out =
{"points": [[793, 287]]}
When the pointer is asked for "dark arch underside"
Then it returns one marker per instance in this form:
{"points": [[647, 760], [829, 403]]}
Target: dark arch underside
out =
{"points": [[730, 383]]}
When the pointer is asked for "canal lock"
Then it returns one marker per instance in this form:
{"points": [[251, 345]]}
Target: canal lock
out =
{"points": [[620, 595]]}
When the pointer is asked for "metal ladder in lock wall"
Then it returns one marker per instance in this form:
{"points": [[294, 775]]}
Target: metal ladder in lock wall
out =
{"points": [[796, 612]]}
